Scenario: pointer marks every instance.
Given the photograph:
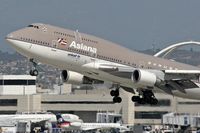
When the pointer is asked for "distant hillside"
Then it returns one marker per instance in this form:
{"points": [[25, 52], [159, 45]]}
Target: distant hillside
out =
{"points": [[8, 57], [184, 56]]}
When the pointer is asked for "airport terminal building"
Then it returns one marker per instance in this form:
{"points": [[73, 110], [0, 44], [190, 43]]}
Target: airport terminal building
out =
{"points": [[86, 103]]}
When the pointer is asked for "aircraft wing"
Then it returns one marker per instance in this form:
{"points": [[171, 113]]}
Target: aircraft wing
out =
{"points": [[99, 126], [126, 72], [182, 74], [166, 80], [115, 69], [180, 80]]}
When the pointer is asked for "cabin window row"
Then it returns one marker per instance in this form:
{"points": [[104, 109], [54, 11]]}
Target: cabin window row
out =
{"points": [[80, 51], [72, 36], [115, 60], [64, 34], [108, 58], [89, 40], [35, 41]]}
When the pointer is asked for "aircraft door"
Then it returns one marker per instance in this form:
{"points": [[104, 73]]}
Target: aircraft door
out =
{"points": [[54, 44]]}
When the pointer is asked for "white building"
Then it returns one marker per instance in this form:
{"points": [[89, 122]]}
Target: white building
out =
{"points": [[181, 119], [17, 85], [86, 103]]}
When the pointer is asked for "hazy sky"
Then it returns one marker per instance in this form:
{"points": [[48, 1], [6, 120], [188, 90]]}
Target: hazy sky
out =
{"points": [[136, 24]]}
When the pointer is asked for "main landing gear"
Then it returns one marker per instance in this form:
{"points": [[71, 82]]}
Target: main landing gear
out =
{"points": [[33, 71], [146, 97], [115, 95]]}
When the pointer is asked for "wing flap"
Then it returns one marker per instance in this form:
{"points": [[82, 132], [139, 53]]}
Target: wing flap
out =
{"points": [[182, 74], [183, 71], [117, 70], [180, 85], [114, 67]]}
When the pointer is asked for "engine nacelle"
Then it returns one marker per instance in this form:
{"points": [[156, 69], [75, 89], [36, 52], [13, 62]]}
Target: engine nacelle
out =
{"points": [[75, 78], [144, 78]]}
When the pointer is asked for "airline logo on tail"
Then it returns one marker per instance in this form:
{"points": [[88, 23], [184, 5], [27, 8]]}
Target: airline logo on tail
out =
{"points": [[83, 47]]}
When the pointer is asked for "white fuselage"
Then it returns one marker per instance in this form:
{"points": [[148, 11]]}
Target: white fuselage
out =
{"points": [[6, 120], [92, 126], [82, 64], [86, 54], [71, 122], [65, 61]]}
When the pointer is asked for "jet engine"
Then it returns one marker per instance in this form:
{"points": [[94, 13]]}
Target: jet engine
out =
{"points": [[75, 78], [144, 78]]}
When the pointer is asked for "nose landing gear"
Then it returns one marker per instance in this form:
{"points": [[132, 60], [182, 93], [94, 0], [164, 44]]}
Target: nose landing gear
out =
{"points": [[33, 71]]}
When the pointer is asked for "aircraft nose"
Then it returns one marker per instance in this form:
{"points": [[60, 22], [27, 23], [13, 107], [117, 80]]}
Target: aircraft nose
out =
{"points": [[9, 36], [14, 39], [12, 36]]}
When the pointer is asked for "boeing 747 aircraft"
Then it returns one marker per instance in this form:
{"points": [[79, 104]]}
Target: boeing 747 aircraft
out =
{"points": [[86, 59], [69, 122]]}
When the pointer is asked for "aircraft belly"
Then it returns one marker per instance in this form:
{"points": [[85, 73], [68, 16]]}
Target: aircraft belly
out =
{"points": [[21, 47], [58, 58], [66, 60], [101, 75], [63, 60], [191, 93]]}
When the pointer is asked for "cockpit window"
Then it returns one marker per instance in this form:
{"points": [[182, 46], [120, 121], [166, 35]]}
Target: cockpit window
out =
{"points": [[30, 26], [34, 26]]}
